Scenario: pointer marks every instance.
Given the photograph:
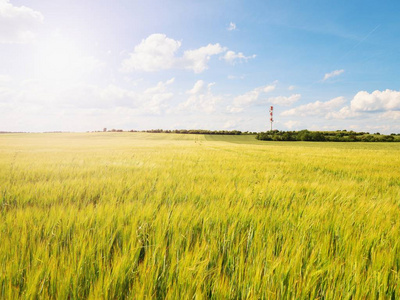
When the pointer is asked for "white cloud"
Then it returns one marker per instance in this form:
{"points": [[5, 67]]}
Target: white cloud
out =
{"points": [[32, 105], [231, 57], [235, 109], [32, 94], [270, 87], [156, 52], [391, 115], [233, 77], [249, 98], [364, 103], [376, 101], [290, 124], [197, 59], [232, 26], [197, 88], [153, 100], [291, 88], [314, 108], [381, 128], [200, 98], [18, 24], [344, 113], [333, 74], [285, 101], [387, 101], [232, 124]]}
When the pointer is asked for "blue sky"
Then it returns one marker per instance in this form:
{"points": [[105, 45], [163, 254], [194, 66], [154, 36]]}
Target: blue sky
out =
{"points": [[84, 65]]}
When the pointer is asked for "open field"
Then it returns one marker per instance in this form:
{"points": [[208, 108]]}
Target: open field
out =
{"points": [[115, 215]]}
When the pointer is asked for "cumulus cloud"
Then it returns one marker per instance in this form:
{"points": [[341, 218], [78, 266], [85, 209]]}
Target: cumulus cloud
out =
{"points": [[333, 74], [387, 101], [231, 124], [285, 101], [232, 26], [198, 88], [290, 124], [18, 24], [314, 108], [200, 98], [269, 88], [155, 100], [197, 59], [391, 115], [158, 52], [344, 113], [246, 99], [232, 57], [376, 101], [249, 98]]}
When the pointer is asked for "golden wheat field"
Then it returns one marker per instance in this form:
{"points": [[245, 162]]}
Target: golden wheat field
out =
{"points": [[168, 216]]}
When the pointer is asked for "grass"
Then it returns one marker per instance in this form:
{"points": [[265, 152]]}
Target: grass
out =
{"points": [[139, 215]]}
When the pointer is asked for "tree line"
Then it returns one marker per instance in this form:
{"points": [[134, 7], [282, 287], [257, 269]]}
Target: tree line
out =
{"points": [[326, 136], [186, 131], [200, 131]]}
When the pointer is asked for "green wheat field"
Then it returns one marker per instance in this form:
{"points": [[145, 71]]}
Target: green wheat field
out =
{"points": [[173, 216]]}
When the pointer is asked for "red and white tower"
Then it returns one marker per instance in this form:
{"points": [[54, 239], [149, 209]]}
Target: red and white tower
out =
{"points": [[271, 114]]}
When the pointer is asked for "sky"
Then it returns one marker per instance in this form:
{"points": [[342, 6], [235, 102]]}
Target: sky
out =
{"points": [[69, 65]]}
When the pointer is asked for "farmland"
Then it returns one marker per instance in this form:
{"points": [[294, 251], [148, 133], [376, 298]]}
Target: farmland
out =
{"points": [[135, 215]]}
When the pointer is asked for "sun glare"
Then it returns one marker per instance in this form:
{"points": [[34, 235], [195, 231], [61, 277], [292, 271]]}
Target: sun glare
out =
{"points": [[62, 60]]}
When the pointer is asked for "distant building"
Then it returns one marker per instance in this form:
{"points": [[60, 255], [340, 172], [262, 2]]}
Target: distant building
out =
{"points": [[104, 129]]}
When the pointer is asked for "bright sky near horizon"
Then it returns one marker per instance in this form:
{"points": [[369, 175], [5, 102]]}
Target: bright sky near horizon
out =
{"points": [[175, 64]]}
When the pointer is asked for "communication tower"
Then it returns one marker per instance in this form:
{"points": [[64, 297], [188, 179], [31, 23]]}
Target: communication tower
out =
{"points": [[271, 114]]}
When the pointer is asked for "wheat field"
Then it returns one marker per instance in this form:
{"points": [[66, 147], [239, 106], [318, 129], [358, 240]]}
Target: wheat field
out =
{"points": [[172, 216]]}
